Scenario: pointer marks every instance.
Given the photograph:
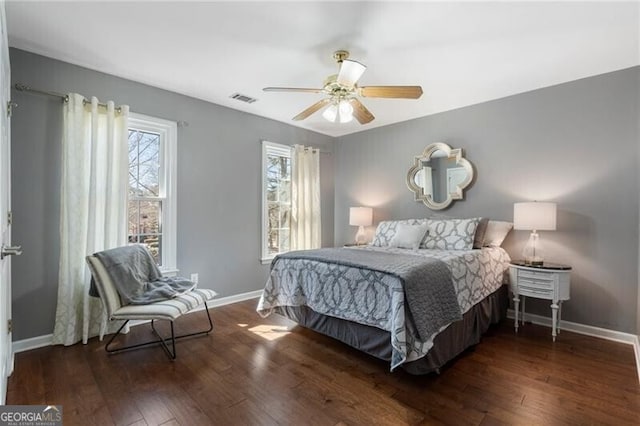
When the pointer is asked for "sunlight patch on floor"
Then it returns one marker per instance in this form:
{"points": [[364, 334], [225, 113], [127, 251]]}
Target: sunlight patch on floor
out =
{"points": [[270, 332]]}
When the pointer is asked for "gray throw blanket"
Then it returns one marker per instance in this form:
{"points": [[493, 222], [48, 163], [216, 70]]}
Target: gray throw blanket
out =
{"points": [[428, 287], [137, 277]]}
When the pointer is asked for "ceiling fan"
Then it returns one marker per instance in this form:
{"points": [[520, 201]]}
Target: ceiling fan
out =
{"points": [[342, 103]]}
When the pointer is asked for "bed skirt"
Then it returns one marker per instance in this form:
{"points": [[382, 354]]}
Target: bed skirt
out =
{"points": [[450, 343]]}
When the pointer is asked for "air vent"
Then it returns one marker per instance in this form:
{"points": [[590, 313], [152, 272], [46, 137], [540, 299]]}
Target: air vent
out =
{"points": [[243, 98]]}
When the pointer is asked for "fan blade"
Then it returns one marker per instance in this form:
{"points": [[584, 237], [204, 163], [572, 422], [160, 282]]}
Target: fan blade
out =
{"points": [[405, 92], [360, 112], [292, 89], [313, 108], [350, 73]]}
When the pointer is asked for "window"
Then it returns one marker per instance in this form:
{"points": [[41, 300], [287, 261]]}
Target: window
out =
{"points": [[152, 187], [276, 199]]}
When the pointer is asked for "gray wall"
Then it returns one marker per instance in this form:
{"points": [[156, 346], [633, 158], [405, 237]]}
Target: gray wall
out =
{"points": [[575, 144], [638, 231], [219, 183]]}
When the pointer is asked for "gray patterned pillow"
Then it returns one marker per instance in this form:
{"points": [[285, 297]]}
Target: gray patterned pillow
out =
{"points": [[386, 230], [451, 234]]}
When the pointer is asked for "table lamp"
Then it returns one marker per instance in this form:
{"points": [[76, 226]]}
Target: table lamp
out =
{"points": [[361, 217], [534, 216]]}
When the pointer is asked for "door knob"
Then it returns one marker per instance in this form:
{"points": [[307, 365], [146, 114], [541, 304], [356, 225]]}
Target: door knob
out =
{"points": [[10, 251]]}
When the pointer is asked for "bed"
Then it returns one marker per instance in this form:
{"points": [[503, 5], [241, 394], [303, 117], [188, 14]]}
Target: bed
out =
{"points": [[416, 307]]}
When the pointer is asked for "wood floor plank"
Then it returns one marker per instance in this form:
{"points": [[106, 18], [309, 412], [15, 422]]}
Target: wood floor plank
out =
{"points": [[587, 386], [269, 371], [542, 396], [139, 423], [118, 396], [185, 409], [152, 407], [293, 406], [247, 413], [29, 379]]}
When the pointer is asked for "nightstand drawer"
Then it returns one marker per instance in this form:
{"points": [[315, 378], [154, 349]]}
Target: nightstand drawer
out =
{"points": [[541, 293], [535, 275], [545, 284]]}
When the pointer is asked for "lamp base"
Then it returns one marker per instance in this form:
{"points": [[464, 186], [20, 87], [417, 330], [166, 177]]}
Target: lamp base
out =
{"points": [[533, 252], [361, 237]]}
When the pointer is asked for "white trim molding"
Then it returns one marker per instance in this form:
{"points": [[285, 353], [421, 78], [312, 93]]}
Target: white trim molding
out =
{"points": [[228, 300], [32, 343], [42, 341], [636, 350], [273, 149], [588, 330], [168, 133]]}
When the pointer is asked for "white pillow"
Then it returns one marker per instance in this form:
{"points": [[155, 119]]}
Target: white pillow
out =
{"points": [[409, 236], [496, 233], [387, 229]]}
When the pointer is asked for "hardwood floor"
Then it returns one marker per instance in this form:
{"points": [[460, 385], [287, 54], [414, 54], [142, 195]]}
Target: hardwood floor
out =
{"points": [[254, 371]]}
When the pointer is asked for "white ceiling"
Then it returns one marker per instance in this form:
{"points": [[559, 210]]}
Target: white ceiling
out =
{"points": [[460, 53]]}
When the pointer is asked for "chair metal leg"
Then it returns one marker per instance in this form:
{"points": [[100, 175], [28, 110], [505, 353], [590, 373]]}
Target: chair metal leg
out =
{"points": [[163, 342], [171, 353]]}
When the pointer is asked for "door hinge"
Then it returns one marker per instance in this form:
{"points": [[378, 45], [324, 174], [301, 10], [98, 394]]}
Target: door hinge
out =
{"points": [[9, 326], [10, 107], [9, 218]]}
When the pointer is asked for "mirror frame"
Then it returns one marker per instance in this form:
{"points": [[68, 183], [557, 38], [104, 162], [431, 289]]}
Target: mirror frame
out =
{"points": [[426, 156]]}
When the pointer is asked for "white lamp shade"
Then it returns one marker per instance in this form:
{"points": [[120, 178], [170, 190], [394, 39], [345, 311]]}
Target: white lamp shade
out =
{"points": [[331, 113], [536, 216], [345, 112], [350, 72], [360, 216]]}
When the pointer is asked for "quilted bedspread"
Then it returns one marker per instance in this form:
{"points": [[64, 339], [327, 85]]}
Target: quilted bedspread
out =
{"points": [[376, 298]]}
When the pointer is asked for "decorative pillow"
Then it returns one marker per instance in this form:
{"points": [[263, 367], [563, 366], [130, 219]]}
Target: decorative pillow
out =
{"points": [[451, 234], [478, 240], [496, 233], [387, 229], [409, 236]]}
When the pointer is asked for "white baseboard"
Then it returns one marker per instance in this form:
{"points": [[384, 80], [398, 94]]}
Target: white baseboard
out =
{"points": [[589, 330], [234, 298], [636, 350], [46, 340], [31, 343]]}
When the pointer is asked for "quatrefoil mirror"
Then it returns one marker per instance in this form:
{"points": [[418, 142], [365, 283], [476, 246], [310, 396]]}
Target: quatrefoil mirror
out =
{"points": [[439, 176]]}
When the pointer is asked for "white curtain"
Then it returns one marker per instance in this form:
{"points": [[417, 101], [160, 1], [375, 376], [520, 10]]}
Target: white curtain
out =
{"points": [[93, 209], [305, 198]]}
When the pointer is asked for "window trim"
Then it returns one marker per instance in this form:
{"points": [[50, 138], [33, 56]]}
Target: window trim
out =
{"points": [[268, 148], [168, 131]]}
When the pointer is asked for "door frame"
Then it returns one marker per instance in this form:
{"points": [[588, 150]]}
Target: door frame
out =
{"points": [[6, 352]]}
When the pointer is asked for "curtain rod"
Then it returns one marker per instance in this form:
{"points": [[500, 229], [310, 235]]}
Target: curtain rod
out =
{"points": [[24, 88], [65, 98]]}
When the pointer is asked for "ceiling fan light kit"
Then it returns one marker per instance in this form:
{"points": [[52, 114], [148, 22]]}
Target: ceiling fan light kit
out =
{"points": [[342, 112], [343, 103]]}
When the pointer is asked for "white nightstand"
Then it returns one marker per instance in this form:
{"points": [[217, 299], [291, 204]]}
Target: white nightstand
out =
{"points": [[550, 281]]}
